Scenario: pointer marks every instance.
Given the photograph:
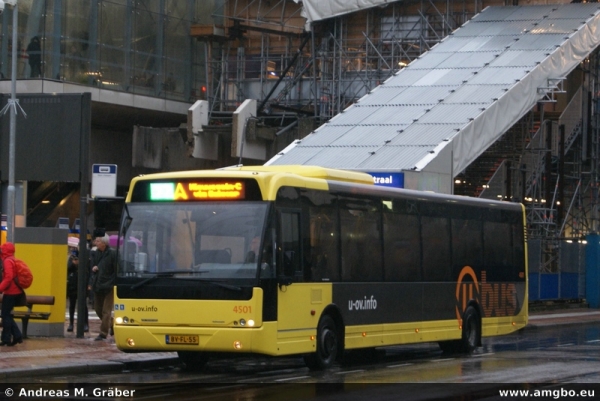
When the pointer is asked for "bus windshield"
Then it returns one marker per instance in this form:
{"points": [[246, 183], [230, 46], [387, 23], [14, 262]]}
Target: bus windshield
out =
{"points": [[208, 240]]}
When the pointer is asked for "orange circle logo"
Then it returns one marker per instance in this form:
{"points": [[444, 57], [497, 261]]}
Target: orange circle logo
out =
{"points": [[467, 288]]}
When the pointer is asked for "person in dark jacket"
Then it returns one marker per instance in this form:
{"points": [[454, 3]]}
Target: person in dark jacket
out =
{"points": [[11, 335], [34, 52], [102, 281], [72, 284]]}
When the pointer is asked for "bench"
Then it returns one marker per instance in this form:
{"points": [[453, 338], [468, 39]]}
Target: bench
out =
{"points": [[25, 316]]}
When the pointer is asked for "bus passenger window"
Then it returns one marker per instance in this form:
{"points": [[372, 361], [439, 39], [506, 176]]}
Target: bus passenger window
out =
{"points": [[467, 245], [402, 247], [435, 234], [323, 244], [361, 240], [290, 245], [498, 251]]}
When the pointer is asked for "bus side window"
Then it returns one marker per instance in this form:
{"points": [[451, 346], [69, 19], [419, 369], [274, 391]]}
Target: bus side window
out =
{"points": [[323, 246], [360, 239], [402, 247], [435, 239]]}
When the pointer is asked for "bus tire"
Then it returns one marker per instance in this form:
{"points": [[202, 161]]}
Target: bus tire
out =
{"points": [[328, 345], [193, 361], [471, 333]]}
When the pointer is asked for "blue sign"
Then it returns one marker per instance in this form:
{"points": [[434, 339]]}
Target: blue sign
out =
{"points": [[394, 180], [104, 169]]}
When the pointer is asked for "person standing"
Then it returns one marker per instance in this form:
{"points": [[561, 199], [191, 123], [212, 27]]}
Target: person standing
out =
{"points": [[72, 284], [102, 281], [34, 52], [11, 335]]}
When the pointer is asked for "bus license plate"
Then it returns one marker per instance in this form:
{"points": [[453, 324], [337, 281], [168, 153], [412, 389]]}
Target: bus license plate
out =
{"points": [[174, 339]]}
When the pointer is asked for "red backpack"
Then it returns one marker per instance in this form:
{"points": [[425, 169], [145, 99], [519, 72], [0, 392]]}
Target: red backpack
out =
{"points": [[23, 275]]}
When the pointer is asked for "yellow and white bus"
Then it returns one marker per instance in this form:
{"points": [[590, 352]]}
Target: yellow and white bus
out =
{"points": [[284, 260]]}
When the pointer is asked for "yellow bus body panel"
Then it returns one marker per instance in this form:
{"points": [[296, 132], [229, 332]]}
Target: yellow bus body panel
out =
{"points": [[216, 322], [299, 308]]}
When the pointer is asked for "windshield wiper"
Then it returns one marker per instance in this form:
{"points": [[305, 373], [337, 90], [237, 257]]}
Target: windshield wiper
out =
{"points": [[174, 272], [164, 274], [219, 284]]}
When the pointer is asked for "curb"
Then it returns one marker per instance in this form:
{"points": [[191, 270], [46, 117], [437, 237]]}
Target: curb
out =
{"points": [[152, 363], [20, 373], [87, 368], [548, 320]]}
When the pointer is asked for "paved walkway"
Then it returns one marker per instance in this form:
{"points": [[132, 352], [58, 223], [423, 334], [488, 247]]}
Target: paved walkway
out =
{"points": [[69, 354]]}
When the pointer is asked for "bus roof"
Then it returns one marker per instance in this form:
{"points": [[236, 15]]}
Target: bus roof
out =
{"points": [[264, 175], [303, 171], [311, 172]]}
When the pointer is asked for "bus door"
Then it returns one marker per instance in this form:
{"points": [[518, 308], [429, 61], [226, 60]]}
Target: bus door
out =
{"points": [[293, 296]]}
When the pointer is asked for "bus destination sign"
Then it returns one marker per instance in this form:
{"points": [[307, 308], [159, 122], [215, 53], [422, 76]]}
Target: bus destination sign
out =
{"points": [[196, 190]]}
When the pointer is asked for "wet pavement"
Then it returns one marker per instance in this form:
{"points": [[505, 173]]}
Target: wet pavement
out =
{"points": [[71, 355]]}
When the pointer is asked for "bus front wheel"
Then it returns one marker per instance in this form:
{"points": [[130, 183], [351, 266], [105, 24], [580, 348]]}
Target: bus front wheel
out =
{"points": [[193, 361], [328, 345]]}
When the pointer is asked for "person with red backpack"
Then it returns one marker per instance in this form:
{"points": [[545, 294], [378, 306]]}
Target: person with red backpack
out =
{"points": [[11, 335]]}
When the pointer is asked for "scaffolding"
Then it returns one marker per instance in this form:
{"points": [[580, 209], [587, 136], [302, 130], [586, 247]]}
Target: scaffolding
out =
{"points": [[266, 54], [548, 161], [555, 175]]}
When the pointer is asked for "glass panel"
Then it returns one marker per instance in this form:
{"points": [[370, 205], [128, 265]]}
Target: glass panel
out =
{"points": [[75, 29], [123, 45], [498, 251], [177, 51], [323, 238], [112, 29], [290, 245], [402, 247], [31, 24], [467, 245], [361, 240], [146, 66], [436, 248]]}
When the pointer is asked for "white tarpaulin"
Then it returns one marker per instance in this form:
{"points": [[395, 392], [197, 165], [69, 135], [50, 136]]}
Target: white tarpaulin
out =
{"points": [[458, 98], [316, 10]]}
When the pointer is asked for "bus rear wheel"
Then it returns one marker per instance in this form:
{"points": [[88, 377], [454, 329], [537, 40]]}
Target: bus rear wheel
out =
{"points": [[471, 336], [193, 361], [328, 345]]}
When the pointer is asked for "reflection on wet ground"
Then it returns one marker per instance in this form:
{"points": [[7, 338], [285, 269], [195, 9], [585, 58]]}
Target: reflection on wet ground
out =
{"points": [[550, 354]]}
